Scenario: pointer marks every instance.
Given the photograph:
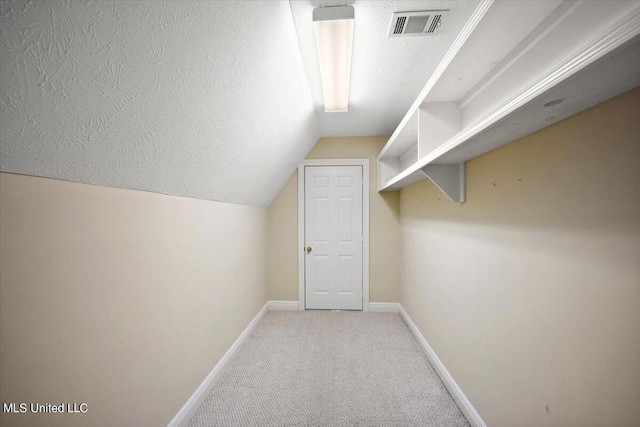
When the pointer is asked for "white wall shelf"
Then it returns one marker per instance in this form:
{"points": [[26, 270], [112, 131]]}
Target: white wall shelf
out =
{"points": [[404, 152], [448, 178], [579, 52]]}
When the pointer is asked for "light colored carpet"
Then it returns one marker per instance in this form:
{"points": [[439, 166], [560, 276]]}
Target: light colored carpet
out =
{"points": [[319, 368]]}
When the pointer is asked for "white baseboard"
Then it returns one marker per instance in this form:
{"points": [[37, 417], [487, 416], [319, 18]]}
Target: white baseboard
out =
{"points": [[196, 400], [463, 403], [189, 409], [283, 305], [384, 307]]}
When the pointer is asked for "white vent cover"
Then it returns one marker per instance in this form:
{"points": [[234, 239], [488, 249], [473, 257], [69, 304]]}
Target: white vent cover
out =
{"points": [[422, 23]]}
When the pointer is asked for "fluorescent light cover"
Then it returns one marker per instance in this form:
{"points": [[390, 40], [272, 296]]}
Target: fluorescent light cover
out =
{"points": [[334, 38]]}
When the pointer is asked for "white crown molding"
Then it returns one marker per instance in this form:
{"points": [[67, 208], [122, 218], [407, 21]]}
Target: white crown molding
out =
{"points": [[553, 20]]}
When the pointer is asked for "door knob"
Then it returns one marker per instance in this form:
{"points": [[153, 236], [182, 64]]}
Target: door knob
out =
{"points": [[309, 249]]}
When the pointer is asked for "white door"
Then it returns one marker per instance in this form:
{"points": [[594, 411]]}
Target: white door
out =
{"points": [[333, 237]]}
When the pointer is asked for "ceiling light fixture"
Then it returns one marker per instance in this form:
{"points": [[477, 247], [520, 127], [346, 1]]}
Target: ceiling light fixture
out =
{"points": [[334, 39]]}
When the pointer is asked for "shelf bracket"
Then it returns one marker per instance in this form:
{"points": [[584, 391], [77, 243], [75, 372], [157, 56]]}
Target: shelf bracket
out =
{"points": [[450, 179]]}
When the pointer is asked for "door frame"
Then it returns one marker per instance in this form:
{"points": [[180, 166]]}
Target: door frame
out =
{"points": [[365, 224]]}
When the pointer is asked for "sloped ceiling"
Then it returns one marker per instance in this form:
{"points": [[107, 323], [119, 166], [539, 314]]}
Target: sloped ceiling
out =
{"points": [[202, 99], [218, 100]]}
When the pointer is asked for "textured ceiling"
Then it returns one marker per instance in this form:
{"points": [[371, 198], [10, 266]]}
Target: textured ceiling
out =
{"points": [[387, 74], [204, 99], [199, 99]]}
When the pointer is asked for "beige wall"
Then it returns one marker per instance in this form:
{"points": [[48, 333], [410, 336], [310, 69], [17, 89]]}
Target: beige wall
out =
{"points": [[384, 270], [121, 299], [530, 291]]}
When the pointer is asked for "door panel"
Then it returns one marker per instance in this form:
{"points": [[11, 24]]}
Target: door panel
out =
{"points": [[333, 231]]}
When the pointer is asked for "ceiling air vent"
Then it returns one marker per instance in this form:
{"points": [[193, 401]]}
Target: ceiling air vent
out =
{"points": [[422, 23]]}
